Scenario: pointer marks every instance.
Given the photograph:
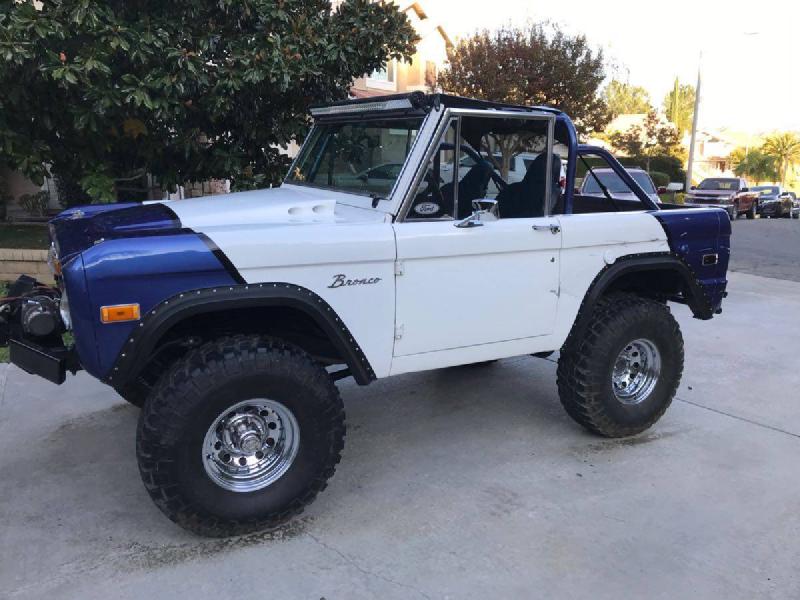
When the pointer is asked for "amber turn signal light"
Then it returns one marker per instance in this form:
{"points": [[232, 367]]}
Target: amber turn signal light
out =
{"points": [[119, 313]]}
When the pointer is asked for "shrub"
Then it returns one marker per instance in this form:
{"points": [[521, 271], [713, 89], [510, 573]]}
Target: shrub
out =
{"points": [[659, 178], [70, 193], [35, 204]]}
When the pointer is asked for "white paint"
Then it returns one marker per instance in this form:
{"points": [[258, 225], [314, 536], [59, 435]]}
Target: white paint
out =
{"points": [[479, 285], [427, 294]]}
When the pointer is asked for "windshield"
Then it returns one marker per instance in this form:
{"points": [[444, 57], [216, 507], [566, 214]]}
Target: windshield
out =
{"points": [[362, 157], [719, 184], [767, 190], [614, 184]]}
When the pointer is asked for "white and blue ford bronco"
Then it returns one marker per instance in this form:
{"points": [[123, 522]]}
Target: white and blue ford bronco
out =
{"points": [[400, 241]]}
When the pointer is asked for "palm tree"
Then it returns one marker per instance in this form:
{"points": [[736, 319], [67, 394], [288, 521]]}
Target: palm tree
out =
{"points": [[755, 165], [784, 148]]}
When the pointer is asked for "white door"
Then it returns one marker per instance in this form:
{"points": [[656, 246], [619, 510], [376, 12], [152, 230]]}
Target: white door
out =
{"points": [[459, 287]]}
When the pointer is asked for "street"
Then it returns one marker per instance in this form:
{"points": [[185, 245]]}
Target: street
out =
{"points": [[766, 247], [459, 483]]}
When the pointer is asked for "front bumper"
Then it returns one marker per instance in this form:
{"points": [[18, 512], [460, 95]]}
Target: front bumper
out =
{"points": [[44, 355], [49, 362], [769, 209]]}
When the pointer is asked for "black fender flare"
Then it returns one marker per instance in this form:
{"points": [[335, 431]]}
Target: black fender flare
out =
{"points": [[157, 321], [655, 261]]}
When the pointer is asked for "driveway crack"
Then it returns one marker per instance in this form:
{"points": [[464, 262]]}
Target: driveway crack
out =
{"points": [[350, 561], [739, 418]]}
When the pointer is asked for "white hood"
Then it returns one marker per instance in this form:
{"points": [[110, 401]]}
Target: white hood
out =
{"points": [[287, 204]]}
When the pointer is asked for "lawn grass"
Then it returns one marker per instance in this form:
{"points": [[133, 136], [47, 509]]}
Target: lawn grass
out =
{"points": [[24, 236]]}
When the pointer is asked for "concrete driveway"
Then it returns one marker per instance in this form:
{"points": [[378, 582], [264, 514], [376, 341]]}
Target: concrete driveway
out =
{"points": [[459, 483]]}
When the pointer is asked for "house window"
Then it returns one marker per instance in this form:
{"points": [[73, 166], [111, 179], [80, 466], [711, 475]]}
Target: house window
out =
{"points": [[384, 79]]}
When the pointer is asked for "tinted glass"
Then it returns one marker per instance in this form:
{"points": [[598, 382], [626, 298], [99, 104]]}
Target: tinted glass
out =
{"points": [[614, 184], [364, 156], [719, 184], [767, 190]]}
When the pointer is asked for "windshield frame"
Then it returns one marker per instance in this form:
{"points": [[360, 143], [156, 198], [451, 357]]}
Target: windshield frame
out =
{"points": [[365, 199]]}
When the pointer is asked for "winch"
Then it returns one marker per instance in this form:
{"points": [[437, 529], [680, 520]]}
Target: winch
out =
{"points": [[39, 316]]}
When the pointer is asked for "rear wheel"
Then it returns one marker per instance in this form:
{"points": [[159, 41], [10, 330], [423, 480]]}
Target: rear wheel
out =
{"points": [[621, 376], [240, 435]]}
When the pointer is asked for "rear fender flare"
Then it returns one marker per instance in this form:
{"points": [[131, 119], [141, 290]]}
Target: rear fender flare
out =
{"points": [[656, 261]]}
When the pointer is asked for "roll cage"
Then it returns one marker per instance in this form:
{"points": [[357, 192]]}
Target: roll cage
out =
{"points": [[439, 110]]}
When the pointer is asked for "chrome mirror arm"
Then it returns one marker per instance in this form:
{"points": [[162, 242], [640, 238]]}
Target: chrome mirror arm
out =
{"points": [[479, 207]]}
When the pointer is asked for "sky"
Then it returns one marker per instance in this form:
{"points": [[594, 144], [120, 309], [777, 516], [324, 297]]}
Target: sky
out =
{"points": [[750, 50]]}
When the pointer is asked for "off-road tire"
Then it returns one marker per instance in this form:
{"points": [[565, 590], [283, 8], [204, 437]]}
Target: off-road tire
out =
{"points": [[751, 214], [586, 364], [203, 385]]}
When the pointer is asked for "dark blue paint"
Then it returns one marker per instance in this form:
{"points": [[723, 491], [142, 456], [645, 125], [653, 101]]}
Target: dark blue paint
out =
{"points": [[79, 228], [693, 233], [80, 311], [143, 270], [564, 125]]}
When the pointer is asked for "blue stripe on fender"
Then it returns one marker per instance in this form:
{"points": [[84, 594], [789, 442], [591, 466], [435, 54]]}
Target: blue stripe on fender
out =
{"points": [[145, 270], [694, 233], [79, 228]]}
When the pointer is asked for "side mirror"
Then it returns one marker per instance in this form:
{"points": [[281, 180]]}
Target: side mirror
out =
{"points": [[479, 207], [662, 189]]}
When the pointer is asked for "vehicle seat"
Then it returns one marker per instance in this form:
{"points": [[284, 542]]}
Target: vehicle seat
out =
{"points": [[472, 186], [526, 198]]}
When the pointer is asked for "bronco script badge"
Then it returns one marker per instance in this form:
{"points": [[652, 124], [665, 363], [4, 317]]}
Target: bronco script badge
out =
{"points": [[341, 280]]}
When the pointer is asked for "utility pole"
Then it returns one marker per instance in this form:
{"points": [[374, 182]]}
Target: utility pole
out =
{"points": [[694, 126]]}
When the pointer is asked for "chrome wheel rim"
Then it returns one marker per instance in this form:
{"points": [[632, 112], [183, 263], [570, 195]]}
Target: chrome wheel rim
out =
{"points": [[636, 371], [251, 445]]}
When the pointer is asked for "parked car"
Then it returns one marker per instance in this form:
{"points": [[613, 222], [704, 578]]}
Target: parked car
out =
{"points": [[378, 179], [795, 204], [729, 193], [591, 185], [229, 319], [773, 201]]}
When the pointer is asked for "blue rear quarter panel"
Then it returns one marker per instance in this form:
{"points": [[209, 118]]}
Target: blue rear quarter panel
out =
{"points": [[693, 233]]}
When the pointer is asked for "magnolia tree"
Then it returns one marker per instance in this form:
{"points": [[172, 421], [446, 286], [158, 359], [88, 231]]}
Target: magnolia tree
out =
{"points": [[185, 90]]}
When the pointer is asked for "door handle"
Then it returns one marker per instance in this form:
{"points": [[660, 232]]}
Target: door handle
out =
{"points": [[552, 228]]}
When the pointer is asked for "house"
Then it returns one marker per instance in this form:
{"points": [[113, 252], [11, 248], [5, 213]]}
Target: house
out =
{"points": [[421, 72]]}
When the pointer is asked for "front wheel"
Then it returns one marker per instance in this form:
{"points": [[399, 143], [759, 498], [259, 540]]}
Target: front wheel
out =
{"points": [[620, 377], [751, 214], [239, 435]]}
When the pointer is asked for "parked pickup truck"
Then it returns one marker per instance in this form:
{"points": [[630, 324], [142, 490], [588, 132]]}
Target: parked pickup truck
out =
{"points": [[729, 193], [229, 319]]}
